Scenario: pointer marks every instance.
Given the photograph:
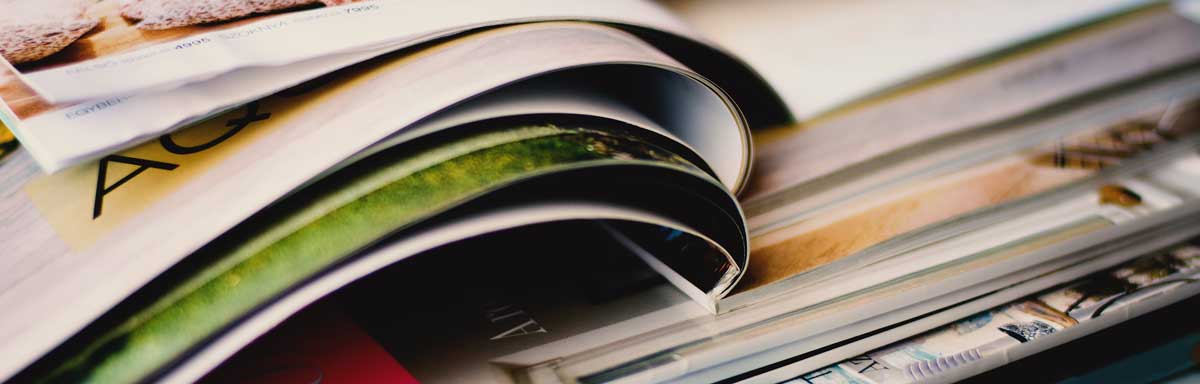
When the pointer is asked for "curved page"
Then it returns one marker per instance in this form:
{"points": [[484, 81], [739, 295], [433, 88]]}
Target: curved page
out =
{"points": [[554, 304], [680, 107], [601, 281], [331, 220], [123, 215]]}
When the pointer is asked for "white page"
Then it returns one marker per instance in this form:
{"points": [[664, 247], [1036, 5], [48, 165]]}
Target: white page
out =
{"points": [[73, 135], [824, 53]]}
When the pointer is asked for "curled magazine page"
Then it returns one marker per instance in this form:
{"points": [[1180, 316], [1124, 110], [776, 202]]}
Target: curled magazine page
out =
{"points": [[698, 118], [119, 216], [396, 192], [511, 311]]}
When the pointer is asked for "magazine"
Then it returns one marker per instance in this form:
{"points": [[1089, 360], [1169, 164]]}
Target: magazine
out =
{"points": [[580, 192]]}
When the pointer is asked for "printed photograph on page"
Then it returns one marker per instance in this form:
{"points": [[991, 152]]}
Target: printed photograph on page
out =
{"points": [[69, 35], [71, 51], [44, 34]]}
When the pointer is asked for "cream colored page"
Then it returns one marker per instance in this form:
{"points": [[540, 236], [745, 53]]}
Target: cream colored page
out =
{"points": [[824, 53], [1070, 65], [68, 265]]}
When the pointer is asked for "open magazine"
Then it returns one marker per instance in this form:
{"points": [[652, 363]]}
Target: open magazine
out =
{"points": [[566, 191]]}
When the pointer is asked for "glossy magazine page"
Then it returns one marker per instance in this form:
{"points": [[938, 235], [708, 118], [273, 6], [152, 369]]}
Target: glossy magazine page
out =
{"points": [[217, 173], [396, 192]]}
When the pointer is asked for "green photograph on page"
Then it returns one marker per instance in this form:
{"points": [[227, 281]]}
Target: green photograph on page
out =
{"points": [[401, 187]]}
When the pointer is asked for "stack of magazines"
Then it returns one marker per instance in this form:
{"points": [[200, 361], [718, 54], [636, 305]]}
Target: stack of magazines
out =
{"points": [[546, 191]]}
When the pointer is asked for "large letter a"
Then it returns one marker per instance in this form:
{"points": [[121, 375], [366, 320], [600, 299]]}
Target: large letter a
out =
{"points": [[102, 176]]}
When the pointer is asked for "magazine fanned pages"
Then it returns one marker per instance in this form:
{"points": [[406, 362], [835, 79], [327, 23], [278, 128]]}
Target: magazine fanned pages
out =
{"points": [[586, 192]]}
